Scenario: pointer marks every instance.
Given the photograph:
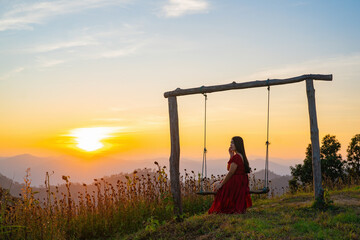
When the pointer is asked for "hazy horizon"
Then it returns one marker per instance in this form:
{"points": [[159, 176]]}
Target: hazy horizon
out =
{"points": [[16, 168]]}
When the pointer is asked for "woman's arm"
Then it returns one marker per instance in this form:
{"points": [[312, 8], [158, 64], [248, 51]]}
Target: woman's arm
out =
{"points": [[231, 153], [231, 172]]}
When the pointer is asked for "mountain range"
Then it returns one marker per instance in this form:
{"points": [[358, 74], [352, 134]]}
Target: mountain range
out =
{"points": [[277, 184], [15, 167]]}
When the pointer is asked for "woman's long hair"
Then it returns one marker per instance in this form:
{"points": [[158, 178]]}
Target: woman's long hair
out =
{"points": [[239, 145]]}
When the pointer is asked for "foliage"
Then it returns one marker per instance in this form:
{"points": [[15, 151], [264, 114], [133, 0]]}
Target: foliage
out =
{"points": [[353, 158], [331, 161], [332, 167], [293, 185], [140, 202], [303, 172], [323, 203]]}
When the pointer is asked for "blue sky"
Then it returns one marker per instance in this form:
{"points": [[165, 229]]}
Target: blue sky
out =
{"points": [[58, 32], [68, 64]]}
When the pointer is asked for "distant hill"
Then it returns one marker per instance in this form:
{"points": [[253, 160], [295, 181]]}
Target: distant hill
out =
{"points": [[14, 167], [75, 188], [278, 184], [80, 171], [7, 183], [218, 166], [277, 168]]}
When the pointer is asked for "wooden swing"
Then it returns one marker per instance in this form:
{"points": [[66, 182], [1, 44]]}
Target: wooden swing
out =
{"points": [[204, 166], [174, 126]]}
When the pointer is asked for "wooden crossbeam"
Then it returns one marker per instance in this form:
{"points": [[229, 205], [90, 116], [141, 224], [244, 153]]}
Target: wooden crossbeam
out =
{"points": [[243, 85]]}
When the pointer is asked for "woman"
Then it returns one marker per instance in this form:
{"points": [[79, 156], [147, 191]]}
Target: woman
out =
{"points": [[233, 193]]}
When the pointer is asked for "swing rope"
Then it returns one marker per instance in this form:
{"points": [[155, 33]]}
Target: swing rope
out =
{"points": [[267, 141], [204, 166], [266, 180]]}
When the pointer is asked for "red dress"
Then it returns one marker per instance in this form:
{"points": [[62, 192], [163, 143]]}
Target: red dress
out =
{"points": [[233, 196]]}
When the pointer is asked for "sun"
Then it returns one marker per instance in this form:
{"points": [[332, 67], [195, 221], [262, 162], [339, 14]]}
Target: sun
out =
{"points": [[89, 139]]}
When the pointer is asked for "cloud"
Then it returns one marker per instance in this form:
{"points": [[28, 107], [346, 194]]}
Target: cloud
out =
{"points": [[89, 44], [12, 72], [126, 51], [315, 66], [51, 63], [177, 8], [23, 16], [46, 62], [62, 45]]}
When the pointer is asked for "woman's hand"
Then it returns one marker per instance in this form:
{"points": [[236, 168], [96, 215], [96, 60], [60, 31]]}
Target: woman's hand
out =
{"points": [[217, 186], [231, 152]]}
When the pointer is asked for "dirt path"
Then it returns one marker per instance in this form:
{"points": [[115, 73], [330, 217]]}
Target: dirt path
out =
{"points": [[346, 199]]}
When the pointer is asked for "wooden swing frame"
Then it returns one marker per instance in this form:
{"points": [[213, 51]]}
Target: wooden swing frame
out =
{"points": [[174, 126]]}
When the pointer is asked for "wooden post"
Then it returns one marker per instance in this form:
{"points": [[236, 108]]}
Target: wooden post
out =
{"points": [[175, 155], [316, 162]]}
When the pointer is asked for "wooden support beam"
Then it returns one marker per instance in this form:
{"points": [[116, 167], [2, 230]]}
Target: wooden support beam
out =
{"points": [[316, 162], [175, 155], [253, 84]]}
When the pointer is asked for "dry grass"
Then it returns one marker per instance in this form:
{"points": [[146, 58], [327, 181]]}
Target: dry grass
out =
{"points": [[142, 201], [124, 207]]}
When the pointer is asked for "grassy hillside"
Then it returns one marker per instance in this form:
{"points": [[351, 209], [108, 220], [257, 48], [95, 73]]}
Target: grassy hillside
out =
{"points": [[286, 217], [142, 202]]}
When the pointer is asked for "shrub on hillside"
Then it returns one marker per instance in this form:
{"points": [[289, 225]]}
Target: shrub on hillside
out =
{"points": [[332, 165]]}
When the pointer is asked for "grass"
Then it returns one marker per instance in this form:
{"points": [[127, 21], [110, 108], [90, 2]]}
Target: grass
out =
{"points": [[286, 217], [142, 201], [142, 208]]}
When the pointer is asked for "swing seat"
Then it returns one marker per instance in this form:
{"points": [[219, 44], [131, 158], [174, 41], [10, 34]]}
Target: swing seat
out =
{"points": [[258, 191], [204, 193]]}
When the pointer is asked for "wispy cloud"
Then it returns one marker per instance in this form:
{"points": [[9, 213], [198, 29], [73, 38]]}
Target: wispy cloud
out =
{"points": [[62, 45], [177, 8], [88, 44], [316, 66], [12, 72], [51, 63], [24, 16], [126, 51]]}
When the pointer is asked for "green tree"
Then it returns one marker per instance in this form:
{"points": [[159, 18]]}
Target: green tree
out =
{"points": [[353, 157], [303, 172], [332, 166], [331, 163]]}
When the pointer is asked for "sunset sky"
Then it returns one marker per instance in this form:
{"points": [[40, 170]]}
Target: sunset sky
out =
{"points": [[96, 71]]}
